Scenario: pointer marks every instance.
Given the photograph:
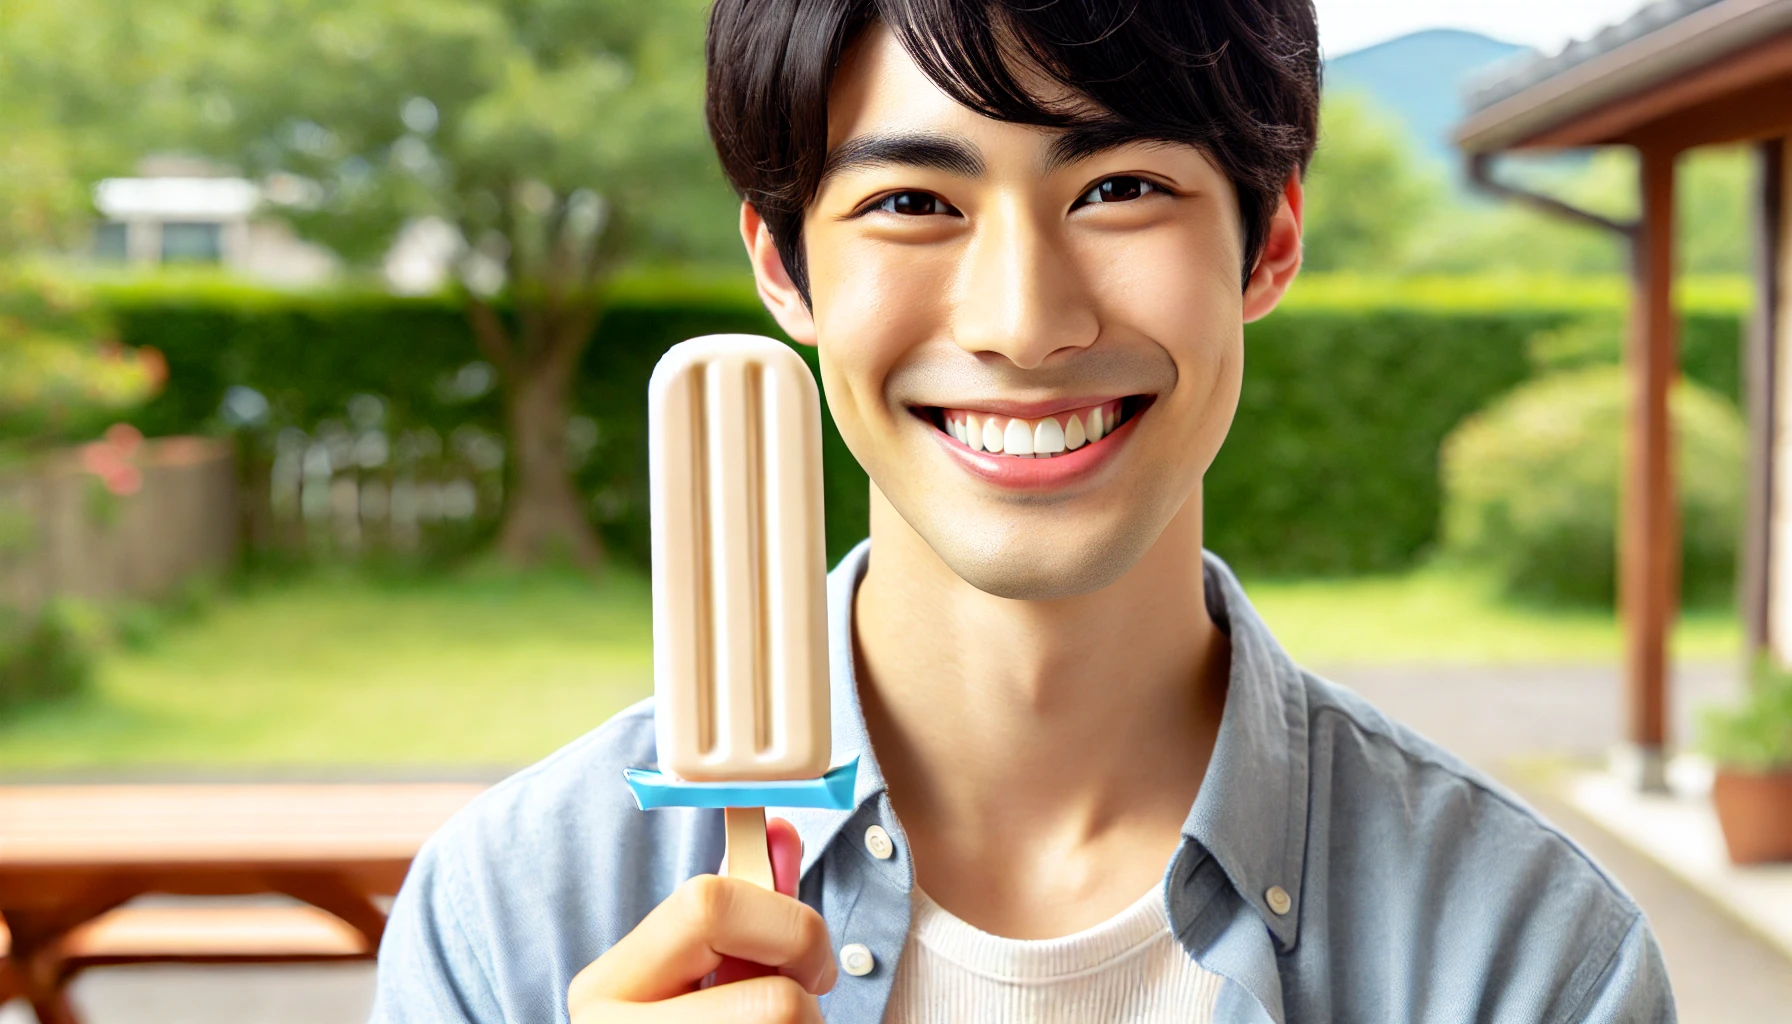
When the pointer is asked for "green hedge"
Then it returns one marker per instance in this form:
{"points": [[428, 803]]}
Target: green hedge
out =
{"points": [[1331, 466], [1332, 463], [309, 354]]}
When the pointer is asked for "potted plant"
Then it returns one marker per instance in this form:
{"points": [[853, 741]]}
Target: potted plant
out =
{"points": [[1751, 745]]}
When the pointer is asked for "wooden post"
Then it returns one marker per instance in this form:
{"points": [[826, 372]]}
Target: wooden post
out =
{"points": [[1759, 345], [1649, 542]]}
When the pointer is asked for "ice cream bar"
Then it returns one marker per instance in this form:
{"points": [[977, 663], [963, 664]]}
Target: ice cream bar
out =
{"points": [[740, 670], [739, 563]]}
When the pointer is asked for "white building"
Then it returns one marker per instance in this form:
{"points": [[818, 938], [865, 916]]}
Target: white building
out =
{"points": [[180, 211], [185, 220], [184, 211]]}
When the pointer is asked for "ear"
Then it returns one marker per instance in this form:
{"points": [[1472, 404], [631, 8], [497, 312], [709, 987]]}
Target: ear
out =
{"points": [[1280, 260], [776, 289]]}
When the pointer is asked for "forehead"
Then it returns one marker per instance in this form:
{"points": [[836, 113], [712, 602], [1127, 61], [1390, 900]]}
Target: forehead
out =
{"points": [[879, 89], [880, 96], [879, 86]]}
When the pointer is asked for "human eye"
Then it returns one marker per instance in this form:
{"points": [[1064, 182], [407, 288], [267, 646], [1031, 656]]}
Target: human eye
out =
{"points": [[1121, 188], [911, 204]]}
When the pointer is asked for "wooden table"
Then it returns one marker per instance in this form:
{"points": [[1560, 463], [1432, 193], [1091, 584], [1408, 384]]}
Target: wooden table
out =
{"points": [[71, 855]]}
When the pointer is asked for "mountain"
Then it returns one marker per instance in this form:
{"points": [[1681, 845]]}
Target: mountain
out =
{"points": [[1419, 78]]}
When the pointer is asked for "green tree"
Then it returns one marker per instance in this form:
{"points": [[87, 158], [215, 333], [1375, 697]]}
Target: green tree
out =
{"points": [[1714, 213], [86, 87], [561, 138], [1475, 234], [61, 378], [41, 203], [1368, 195]]}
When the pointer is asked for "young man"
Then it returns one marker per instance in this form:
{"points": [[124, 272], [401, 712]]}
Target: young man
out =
{"points": [[1026, 238]]}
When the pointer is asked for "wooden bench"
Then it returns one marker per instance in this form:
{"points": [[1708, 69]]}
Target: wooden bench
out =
{"points": [[208, 935], [73, 858]]}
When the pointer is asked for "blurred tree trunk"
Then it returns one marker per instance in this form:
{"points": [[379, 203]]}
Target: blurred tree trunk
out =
{"points": [[544, 518]]}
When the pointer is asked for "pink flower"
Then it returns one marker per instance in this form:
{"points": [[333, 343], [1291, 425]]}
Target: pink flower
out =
{"points": [[110, 459], [100, 458], [123, 481], [124, 438]]}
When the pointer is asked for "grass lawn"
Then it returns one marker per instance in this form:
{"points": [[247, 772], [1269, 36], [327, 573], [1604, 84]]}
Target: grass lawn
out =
{"points": [[1436, 615], [481, 669], [498, 669]]}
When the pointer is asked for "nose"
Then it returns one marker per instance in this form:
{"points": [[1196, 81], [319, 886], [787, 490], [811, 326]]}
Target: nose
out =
{"points": [[1019, 293]]}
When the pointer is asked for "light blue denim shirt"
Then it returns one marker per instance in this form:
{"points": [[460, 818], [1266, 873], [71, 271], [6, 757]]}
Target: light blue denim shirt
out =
{"points": [[1416, 889]]}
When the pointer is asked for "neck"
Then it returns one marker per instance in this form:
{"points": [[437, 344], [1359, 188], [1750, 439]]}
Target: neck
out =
{"points": [[1004, 725]]}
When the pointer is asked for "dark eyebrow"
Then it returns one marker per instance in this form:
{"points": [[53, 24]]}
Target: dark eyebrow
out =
{"points": [[950, 153], [1084, 139]]}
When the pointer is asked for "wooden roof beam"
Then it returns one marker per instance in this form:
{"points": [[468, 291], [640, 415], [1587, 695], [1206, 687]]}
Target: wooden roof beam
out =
{"points": [[1763, 111], [1760, 65]]}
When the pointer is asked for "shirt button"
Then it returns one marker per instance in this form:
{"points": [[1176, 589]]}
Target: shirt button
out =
{"points": [[878, 842], [1278, 900], [856, 959]]}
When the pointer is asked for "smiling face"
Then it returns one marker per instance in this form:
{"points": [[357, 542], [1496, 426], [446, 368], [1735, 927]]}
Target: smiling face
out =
{"points": [[1031, 339]]}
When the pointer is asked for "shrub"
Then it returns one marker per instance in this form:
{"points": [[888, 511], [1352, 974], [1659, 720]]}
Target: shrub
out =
{"points": [[61, 377], [48, 655], [1756, 735], [1531, 487], [141, 625], [1330, 467]]}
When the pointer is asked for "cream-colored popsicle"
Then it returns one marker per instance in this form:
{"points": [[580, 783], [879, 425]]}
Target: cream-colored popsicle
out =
{"points": [[739, 562]]}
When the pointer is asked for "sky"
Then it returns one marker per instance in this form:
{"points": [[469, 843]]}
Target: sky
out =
{"points": [[1346, 25]]}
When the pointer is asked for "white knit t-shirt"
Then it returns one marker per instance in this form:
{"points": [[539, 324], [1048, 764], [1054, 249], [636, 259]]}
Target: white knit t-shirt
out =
{"points": [[1129, 969]]}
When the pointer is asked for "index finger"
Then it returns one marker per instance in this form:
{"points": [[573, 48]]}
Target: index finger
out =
{"points": [[706, 919], [786, 848]]}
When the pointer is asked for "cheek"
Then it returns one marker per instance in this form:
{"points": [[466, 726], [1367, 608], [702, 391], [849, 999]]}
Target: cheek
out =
{"points": [[1181, 289], [873, 304], [1178, 286]]}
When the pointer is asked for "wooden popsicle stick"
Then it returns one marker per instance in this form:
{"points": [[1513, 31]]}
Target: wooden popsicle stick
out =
{"points": [[749, 857]]}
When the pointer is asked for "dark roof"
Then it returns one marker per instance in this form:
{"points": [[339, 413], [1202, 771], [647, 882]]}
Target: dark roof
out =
{"points": [[1529, 95], [1511, 77]]}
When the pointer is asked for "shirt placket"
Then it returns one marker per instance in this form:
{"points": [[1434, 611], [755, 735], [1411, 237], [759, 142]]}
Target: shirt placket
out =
{"points": [[1223, 933], [866, 880]]}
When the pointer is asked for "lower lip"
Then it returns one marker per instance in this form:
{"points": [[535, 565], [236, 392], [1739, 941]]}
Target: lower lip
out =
{"points": [[1039, 474]]}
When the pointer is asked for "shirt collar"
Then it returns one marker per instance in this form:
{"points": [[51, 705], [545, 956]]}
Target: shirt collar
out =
{"points": [[818, 826], [1251, 814]]}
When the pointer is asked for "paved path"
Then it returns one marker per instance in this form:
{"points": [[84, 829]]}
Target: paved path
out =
{"points": [[1722, 974], [1490, 714]]}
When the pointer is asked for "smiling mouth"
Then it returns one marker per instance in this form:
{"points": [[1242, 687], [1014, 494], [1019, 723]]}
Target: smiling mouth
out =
{"points": [[1040, 437]]}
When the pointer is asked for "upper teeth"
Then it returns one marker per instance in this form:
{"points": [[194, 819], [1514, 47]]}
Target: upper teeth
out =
{"points": [[1036, 438]]}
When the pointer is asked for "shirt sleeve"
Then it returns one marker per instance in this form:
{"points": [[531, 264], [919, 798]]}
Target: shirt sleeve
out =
{"points": [[1634, 988], [431, 969]]}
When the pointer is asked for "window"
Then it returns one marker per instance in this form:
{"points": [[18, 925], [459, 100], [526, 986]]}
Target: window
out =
{"points": [[192, 243], [109, 242]]}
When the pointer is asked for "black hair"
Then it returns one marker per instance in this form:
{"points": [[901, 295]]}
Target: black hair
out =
{"points": [[1237, 78]]}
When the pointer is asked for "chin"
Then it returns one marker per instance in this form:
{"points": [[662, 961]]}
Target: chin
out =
{"points": [[1023, 563]]}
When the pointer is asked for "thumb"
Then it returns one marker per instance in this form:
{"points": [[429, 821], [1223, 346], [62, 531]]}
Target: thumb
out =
{"points": [[786, 848]]}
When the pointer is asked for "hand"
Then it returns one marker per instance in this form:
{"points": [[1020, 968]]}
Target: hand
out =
{"points": [[651, 976]]}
